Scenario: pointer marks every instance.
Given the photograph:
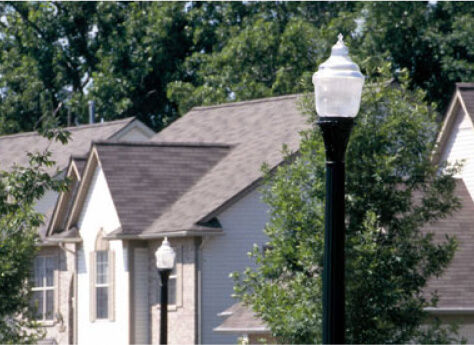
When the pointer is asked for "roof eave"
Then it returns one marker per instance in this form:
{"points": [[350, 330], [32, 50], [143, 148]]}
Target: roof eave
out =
{"points": [[240, 330], [160, 235], [449, 311]]}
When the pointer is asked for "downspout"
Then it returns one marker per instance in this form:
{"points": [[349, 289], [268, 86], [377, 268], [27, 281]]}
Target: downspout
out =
{"points": [[199, 259], [76, 278]]}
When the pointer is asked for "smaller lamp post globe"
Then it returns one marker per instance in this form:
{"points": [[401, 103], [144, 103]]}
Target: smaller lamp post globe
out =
{"points": [[338, 84], [165, 256]]}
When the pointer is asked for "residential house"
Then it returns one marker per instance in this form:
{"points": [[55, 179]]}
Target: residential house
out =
{"points": [[197, 183], [13, 149], [455, 287]]}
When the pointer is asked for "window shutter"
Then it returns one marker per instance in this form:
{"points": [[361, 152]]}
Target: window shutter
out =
{"points": [[92, 297], [111, 283]]}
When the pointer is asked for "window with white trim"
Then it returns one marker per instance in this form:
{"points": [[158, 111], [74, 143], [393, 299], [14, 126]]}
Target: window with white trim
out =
{"points": [[102, 273], [43, 287], [172, 282], [102, 284]]}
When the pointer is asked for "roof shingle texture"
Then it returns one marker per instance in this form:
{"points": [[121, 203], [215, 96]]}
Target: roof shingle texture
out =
{"points": [[455, 286], [145, 179], [240, 318], [256, 129], [467, 94], [13, 148]]}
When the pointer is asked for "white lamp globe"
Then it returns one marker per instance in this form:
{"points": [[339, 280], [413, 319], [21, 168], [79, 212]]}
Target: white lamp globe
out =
{"points": [[165, 256], [338, 84]]}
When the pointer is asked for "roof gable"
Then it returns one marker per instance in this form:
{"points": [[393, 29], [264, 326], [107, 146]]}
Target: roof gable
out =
{"points": [[13, 148], [65, 200], [258, 130], [145, 179], [462, 100]]}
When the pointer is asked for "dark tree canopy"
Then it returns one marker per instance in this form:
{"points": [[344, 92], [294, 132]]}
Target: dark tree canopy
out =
{"points": [[156, 60]]}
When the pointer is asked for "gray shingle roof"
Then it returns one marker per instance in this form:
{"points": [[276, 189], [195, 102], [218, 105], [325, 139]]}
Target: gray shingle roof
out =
{"points": [[456, 285], [467, 94], [13, 148], [241, 319], [80, 162], [145, 179], [257, 130]]}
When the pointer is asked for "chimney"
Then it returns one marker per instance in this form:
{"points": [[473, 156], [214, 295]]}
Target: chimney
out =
{"points": [[91, 111]]}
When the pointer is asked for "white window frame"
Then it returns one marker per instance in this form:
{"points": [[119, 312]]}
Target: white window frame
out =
{"points": [[102, 285], [110, 285], [173, 276], [45, 288]]}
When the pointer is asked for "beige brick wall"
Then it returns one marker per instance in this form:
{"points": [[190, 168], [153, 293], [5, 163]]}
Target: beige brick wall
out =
{"points": [[182, 319]]}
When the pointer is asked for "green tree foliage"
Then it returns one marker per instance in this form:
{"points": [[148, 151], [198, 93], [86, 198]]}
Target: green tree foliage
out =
{"points": [[393, 191], [268, 49], [435, 42], [57, 55], [156, 60], [20, 188]]}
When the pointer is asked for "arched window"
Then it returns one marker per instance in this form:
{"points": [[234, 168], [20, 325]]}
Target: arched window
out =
{"points": [[102, 269]]}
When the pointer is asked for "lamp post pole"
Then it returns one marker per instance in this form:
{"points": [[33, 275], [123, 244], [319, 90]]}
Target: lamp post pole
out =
{"points": [[338, 88], [335, 131], [165, 261], [164, 275]]}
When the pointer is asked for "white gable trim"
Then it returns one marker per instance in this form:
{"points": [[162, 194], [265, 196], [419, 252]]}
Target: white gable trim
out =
{"points": [[461, 101], [72, 168], [446, 128], [134, 124], [93, 162]]}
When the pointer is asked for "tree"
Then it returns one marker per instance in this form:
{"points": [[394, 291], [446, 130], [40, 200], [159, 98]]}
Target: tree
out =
{"points": [[156, 60], [20, 188], [393, 191], [57, 56], [269, 49], [434, 41]]}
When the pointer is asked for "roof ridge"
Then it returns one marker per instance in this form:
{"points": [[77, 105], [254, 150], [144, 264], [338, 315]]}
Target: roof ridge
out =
{"points": [[465, 85], [160, 144], [240, 103], [73, 128]]}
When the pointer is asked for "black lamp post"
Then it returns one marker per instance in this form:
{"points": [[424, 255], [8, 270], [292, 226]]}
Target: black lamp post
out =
{"points": [[165, 260], [338, 88]]}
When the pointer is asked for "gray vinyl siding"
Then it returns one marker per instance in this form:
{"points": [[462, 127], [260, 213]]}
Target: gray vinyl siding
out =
{"points": [[141, 317], [243, 225]]}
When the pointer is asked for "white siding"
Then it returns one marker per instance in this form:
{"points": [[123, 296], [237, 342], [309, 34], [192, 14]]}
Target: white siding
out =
{"points": [[99, 212], [134, 134], [243, 225], [460, 146], [140, 284]]}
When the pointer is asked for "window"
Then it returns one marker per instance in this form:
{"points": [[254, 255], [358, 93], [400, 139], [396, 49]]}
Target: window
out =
{"points": [[172, 286], [43, 287], [101, 280], [102, 284]]}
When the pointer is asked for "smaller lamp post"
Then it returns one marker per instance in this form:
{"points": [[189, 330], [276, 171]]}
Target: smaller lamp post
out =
{"points": [[165, 260], [338, 89]]}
